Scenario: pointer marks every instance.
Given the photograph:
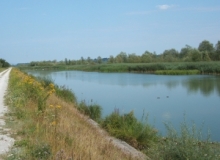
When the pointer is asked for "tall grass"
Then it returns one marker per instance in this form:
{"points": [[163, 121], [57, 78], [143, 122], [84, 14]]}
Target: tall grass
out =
{"points": [[128, 128], [186, 144], [94, 111], [57, 131], [177, 72], [212, 67]]}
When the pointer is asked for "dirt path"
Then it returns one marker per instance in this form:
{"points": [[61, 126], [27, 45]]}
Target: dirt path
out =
{"points": [[5, 140]]}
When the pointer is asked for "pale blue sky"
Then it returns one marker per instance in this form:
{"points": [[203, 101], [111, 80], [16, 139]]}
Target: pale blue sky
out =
{"points": [[35, 30]]}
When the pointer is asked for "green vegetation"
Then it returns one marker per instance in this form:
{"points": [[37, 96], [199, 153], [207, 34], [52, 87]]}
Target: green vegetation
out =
{"points": [[126, 127], [93, 110], [177, 72], [187, 144], [205, 59], [48, 127], [181, 67], [4, 63]]}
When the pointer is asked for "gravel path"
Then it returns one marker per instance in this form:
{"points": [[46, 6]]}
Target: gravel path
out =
{"points": [[5, 140]]}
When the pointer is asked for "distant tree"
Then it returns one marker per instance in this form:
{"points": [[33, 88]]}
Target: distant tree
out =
{"points": [[170, 55], [66, 62], [147, 57], [206, 46], [89, 60], [4, 63], [195, 55], [121, 57], [184, 53], [33, 64], [82, 60], [99, 60], [217, 51], [133, 58], [111, 59]]}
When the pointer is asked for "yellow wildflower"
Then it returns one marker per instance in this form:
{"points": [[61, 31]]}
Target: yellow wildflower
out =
{"points": [[53, 123], [59, 106]]}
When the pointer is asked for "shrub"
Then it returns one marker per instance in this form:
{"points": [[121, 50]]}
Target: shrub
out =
{"points": [[65, 93], [94, 111], [126, 127]]}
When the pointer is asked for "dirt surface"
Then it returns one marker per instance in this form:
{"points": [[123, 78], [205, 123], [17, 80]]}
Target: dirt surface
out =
{"points": [[5, 140]]}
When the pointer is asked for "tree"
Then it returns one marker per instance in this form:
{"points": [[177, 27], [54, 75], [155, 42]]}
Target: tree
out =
{"points": [[99, 60], [147, 57], [217, 51], [170, 55], [111, 59], [184, 53], [89, 60], [66, 62], [82, 60], [133, 58], [205, 56], [4, 63], [206, 46], [195, 55], [121, 57]]}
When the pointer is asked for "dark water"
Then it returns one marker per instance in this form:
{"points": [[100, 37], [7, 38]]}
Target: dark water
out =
{"points": [[163, 98]]}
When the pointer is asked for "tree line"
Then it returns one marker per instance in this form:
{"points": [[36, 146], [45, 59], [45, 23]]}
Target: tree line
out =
{"points": [[4, 63], [206, 51]]}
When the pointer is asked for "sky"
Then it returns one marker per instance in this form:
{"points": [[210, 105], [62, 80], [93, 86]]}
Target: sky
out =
{"points": [[37, 30]]}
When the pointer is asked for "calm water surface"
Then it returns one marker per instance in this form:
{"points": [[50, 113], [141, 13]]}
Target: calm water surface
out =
{"points": [[163, 98]]}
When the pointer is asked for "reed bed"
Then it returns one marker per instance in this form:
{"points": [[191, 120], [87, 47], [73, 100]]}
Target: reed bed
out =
{"points": [[212, 67]]}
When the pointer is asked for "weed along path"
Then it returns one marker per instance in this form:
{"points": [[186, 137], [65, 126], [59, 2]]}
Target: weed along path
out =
{"points": [[5, 140]]}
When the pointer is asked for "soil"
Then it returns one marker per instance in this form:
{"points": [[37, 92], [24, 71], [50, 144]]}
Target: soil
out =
{"points": [[5, 140]]}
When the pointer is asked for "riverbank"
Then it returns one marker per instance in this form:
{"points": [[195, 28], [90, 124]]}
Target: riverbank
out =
{"points": [[212, 67], [61, 130]]}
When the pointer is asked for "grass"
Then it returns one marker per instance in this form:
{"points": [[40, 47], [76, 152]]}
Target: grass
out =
{"points": [[128, 128], [187, 144], [58, 131], [94, 111], [2, 69], [177, 72], [212, 67], [47, 125]]}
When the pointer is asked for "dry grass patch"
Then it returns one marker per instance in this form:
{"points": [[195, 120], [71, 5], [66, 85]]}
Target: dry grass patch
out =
{"points": [[47, 127]]}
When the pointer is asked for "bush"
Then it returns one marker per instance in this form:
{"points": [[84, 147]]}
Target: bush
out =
{"points": [[65, 93], [126, 127], [94, 111]]}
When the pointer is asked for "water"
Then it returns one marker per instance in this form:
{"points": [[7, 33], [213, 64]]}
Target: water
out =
{"points": [[163, 98]]}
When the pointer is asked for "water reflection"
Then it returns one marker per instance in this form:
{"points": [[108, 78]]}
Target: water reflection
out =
{"points": [[204, 84], [195, 95]]}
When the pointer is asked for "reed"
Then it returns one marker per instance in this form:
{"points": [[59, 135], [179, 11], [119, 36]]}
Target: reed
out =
{"points": [[177, 72], [212, 67]]}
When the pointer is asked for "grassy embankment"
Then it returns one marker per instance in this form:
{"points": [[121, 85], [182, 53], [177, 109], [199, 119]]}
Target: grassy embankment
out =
{"points": [[48, 127], [158, 68]]}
